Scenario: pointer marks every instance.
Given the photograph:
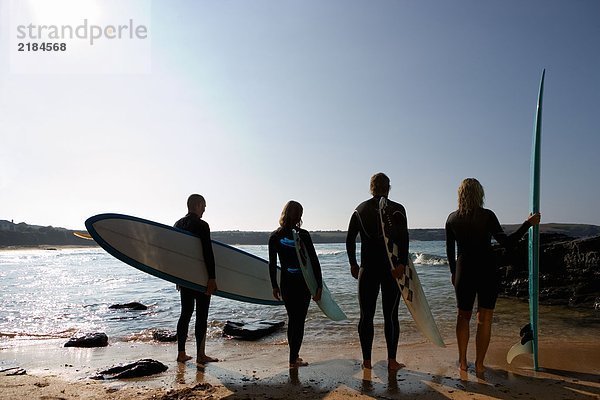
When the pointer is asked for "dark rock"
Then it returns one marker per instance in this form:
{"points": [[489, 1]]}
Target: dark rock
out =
{"points": [[136, 369], [164, 336], [569, 271], [251, 330], [89, 340], [129, 306]]}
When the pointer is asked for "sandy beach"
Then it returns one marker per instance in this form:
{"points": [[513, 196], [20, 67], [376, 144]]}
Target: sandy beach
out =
{"points": [[258, 370]]}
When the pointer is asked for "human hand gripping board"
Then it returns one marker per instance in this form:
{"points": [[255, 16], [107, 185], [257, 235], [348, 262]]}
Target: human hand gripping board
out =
{"points": [[327, 304], [409, 283]]}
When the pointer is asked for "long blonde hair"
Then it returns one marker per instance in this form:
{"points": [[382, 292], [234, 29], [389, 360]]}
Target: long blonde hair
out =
{"points": [[470, 196], [291, 216]]}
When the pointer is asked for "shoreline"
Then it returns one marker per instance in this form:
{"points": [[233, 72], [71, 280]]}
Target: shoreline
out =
{"points": [[259, 370]]}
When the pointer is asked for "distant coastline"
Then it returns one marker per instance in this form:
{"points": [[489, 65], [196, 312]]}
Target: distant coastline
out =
{"points": [[25, 235]]}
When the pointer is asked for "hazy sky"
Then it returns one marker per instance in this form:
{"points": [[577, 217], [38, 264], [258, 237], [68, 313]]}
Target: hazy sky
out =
{"points": [[253, 103]]}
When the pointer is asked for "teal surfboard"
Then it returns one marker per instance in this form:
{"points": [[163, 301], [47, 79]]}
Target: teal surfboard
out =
{"points": [[529, 333], [327, 304]]}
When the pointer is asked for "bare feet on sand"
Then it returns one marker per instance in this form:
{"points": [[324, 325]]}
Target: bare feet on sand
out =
{"points": [[394, 365], [203, 359], [182, 357]]}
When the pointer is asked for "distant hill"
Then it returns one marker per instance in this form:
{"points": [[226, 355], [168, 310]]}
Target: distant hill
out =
{"points": [[25, 235]]}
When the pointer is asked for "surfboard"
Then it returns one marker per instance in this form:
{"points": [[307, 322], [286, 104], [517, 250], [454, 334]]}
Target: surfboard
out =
{"points": [[529, 333], [327, 304], [409, 283], [176, 256]]}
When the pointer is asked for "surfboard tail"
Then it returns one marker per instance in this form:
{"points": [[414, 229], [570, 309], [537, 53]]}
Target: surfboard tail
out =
{"points": [[327, 304]]}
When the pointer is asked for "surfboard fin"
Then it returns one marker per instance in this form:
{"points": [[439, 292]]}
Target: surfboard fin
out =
{"points": [[524, 346]]}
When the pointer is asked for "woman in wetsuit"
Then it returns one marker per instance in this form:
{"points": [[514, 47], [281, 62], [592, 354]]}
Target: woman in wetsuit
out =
{"points": [[474, 273], [293, 290]]}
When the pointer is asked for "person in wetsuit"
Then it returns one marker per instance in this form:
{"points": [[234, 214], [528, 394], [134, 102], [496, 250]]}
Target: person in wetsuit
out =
{"points": [[375, 269], [474, 273], [293, 289], [194, 224]]}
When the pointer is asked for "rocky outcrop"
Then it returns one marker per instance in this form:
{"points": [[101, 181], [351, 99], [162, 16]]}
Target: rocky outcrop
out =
{"points": [[569, 271]]}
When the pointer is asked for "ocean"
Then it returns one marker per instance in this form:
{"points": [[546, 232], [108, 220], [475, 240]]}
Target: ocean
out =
{"points": [[54, 294]]}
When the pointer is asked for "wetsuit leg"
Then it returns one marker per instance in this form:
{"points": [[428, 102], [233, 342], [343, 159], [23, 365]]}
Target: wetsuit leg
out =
{"points": [[202, 305], [296, 298], [368, 291], [465, 285], [187, 309], [390, 299], [487, 288]]}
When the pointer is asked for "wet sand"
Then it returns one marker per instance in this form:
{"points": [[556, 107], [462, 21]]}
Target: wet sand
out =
{"points": [[258, 370]]}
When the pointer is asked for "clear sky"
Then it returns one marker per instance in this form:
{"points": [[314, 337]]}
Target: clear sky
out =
{"points": [[253, 103]]}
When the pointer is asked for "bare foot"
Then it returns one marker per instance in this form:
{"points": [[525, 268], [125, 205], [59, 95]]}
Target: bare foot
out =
{"points": [[182, 357], [394, 365], [366, 364], [480, 371], [205, 359], [299, 363]]}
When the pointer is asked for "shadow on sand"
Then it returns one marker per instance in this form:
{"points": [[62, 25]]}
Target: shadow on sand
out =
{"points": [[345, 376]]}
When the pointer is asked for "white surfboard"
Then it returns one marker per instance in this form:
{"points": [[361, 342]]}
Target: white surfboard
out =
{"points": [[410, 285], [327, 304], [176, 256]]}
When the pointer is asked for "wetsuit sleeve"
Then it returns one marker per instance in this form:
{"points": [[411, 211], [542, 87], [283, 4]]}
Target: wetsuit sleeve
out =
{"points": [[353, 229], [310, 247], [505, 240], [207, 250], [451, 248], [273, 262], [402, 224]]}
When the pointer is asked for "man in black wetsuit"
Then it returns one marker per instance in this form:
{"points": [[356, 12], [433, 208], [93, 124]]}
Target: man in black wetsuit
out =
{"points": [[375, 271], [193, 223]]}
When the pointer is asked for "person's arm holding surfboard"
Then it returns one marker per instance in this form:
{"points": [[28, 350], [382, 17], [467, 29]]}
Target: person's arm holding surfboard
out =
{"points": [[401, 225], [451, 250], [310, 247], [353, 229], [508, 241], [209, 259], [273, 267]]}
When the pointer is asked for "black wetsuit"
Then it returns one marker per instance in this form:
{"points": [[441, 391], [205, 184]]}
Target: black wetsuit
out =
{"points": [[294, 291], [194, 224], [375, 271], [476, 272]]}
